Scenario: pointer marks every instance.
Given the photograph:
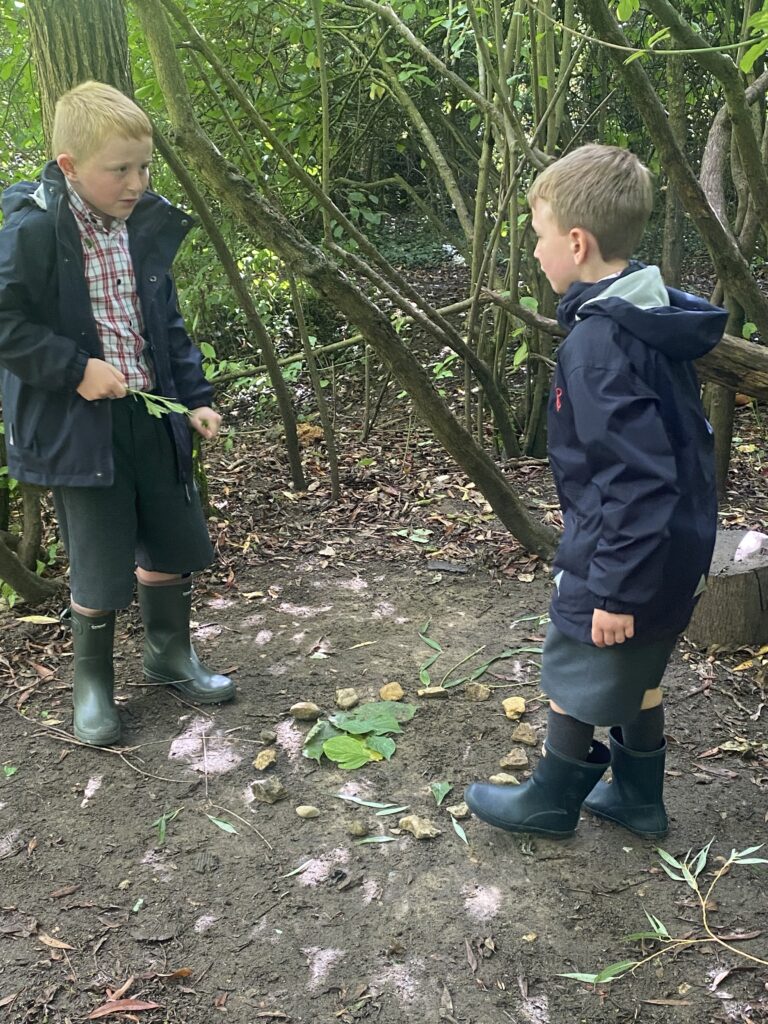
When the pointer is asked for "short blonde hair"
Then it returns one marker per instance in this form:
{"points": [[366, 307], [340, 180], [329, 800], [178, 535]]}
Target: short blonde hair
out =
{"points": [[603, 189], [89, 114]]}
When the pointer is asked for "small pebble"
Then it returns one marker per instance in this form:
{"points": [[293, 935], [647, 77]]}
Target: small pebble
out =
{"points": [[306, 711], [392, 691], [307, 811]]}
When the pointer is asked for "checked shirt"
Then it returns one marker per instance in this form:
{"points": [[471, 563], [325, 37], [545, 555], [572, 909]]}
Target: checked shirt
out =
{"points": [[112, 287]]}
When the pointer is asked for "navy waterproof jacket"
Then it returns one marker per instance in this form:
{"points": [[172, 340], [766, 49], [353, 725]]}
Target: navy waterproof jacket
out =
{"points": [[48, 332], [632, 454]]}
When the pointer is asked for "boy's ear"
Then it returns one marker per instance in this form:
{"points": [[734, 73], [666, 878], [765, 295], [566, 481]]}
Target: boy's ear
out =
{"points": [[581, 242], [67, 166]]}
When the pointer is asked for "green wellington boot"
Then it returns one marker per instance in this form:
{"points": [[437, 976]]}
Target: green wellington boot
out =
{"points": [[633, 798], [96, 720], [169, 657], [548, 804]]}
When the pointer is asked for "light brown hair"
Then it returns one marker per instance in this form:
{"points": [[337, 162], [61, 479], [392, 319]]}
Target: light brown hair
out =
{"points": [[603, 189], [89, 114]]}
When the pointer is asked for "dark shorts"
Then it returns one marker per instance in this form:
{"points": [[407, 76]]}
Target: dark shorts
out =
{"points": [[146, 518], [601, 685]]}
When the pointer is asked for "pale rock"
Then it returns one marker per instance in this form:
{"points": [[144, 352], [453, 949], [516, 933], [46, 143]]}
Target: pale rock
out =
{"points": [[504, 779], [305, 711], [516, 758], [357, 828], [458, 811], [392, 691], [265, 759], [432, 692], [267, 736], [477, 691], [513, 707], [420, 828], [268, 791], [347, 698], [307, 811], [526, 734]]}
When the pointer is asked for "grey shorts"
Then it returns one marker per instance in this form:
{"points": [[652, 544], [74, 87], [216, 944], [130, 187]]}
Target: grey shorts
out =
{"points": [[601, 685], [146, 518]]}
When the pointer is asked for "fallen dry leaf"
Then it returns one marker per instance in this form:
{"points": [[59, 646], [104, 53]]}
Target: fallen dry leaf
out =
{"points": [[48, 940], [121, 1006]]}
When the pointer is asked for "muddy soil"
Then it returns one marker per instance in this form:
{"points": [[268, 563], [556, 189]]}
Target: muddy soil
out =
{"points": [[289, 919]]}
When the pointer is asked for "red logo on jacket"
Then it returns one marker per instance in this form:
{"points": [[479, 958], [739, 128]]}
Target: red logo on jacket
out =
{"points": [[558, 399]]}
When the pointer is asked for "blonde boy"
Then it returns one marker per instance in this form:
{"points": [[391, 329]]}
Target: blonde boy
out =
{"points": [[88, 313], [631, 453]]}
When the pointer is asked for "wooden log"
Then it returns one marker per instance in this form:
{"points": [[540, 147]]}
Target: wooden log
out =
{"points": [[733, 610]]}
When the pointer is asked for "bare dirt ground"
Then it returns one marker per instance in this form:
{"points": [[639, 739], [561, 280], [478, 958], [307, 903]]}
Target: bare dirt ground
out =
{"points": [[285, 919], [146, 883]]}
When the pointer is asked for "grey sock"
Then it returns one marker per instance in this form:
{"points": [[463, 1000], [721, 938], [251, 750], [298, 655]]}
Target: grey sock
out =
{"points": [[568, 736], [646, 732]]}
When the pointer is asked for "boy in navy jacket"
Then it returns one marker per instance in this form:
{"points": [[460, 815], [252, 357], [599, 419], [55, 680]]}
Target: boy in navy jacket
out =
{"points": [[88, 310], [632, 457]]}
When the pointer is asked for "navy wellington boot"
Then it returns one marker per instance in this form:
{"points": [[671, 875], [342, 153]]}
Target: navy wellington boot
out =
{"points": [[633, 799], [548, 803]]}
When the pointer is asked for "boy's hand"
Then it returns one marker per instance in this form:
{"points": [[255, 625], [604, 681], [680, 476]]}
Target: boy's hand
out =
{"points": [[609, 629], [101, 380], [205, 421]]}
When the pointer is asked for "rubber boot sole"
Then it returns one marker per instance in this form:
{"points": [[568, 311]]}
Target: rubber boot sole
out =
{"points": [[191, 694]]}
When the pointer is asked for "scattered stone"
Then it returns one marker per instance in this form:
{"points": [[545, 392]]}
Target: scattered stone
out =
{"points": [[477, 691], [206, 862], [392, 691], [504, 779], [513, 707], [516, 758], [357, 828], [458, 811], [307, 811], [267, 736], [526, 734], [347, 698], [433, 691], [421, 828], [265, 759], [306, 711], [268, 791]]}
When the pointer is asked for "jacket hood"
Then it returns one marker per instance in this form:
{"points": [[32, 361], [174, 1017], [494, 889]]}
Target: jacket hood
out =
{"points": [[682, 326]]}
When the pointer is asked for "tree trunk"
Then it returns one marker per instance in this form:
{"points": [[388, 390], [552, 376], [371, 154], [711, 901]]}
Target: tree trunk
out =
{"points": [[733, 610], [73, 41]]}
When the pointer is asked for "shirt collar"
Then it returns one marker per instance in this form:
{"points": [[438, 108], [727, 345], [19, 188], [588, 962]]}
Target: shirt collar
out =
{"points": [[85, 215]]}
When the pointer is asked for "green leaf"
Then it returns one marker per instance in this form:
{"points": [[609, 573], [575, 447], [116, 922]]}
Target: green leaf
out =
{"points": [[375, 839], [701, 860], [677, 878], [637, 936], [298, 870], [521, 354], [590, 979], [440, 791], [614, 971], [316, 737], [391, 810], [530, 303], [349, 753], [748, 330], [659, 929], [225, 826], [380, 717], [691, 881], [424, 677], [747, 852], [382, 745], [626, 8], [9, 770], [747, 62], [459, 831], [669, 859], [360, 801]]}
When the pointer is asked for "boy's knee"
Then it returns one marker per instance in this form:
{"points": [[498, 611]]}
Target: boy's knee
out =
{"points": [[652, 698]]}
